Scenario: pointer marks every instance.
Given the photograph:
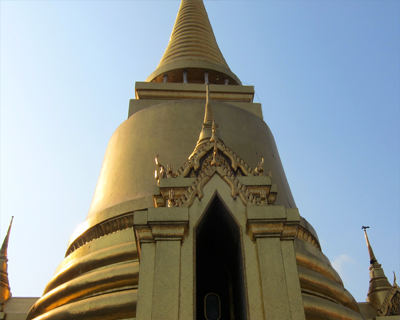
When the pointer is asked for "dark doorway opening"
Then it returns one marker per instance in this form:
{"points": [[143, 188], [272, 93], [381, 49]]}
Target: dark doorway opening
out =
{"points": [[219, 266]]}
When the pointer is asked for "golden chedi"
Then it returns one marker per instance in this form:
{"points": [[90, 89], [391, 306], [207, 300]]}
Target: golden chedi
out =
{"points": [[383, 299], [210, 230]]}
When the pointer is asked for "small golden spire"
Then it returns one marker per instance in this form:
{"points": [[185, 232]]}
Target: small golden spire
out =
{"points": [[209, 131], [5, 291], [379, 286]]}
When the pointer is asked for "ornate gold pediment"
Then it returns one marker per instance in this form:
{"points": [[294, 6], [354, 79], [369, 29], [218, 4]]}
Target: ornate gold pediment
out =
{"points": [[391, 305], [180, 188]]}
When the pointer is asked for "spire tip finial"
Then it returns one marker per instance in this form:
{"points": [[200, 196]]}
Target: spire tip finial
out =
{"points": [[372, 258], [209, 131], [379, 286]]}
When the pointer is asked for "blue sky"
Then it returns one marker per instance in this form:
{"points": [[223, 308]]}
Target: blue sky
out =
{"points": [[326, 72]]}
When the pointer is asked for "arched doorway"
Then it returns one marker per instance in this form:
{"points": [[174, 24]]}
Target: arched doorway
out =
{"points": [[219, 265]]}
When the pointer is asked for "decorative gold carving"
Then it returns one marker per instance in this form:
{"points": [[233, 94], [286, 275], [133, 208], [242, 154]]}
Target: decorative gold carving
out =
{"points": [[107, 227], [263, 196], [211, 156], [170, 174], [160, 171], [171, 198], [214, 158], [214, 161], [391, 304], [213, 131], [306, 236], [394, 308], [159, 201], [260, 168], [233, 159]]}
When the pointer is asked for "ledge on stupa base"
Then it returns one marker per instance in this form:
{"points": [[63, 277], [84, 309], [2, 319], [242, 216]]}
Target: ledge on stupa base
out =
{"points": [[149, 94]]}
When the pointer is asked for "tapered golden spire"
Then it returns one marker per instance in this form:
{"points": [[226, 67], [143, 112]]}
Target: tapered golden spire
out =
{"points": [[209, 131], [193, 54], [372, 258], [379, 286], [5, 291]]}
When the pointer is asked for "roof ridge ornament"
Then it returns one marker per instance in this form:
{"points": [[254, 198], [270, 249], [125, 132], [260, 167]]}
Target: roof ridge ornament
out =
{"points": [[214, 157]]}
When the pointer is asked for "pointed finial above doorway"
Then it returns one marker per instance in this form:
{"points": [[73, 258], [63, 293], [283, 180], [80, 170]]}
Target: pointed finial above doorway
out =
{"points": [[209, 131]]}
